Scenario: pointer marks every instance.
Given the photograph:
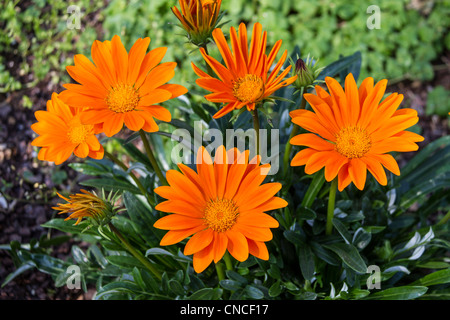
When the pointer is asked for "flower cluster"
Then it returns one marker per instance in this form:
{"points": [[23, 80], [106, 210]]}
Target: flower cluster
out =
{"points": [[224, 203]]}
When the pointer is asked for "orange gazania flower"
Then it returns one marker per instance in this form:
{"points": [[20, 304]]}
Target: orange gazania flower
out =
{"points": [[245, 78], [222, 205], [88, 205], [61, 133], [122, 87], [352, 131], [198, 18]]}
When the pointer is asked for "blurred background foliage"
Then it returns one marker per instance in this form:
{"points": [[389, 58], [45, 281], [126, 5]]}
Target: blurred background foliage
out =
{"points": [[413, 34]]}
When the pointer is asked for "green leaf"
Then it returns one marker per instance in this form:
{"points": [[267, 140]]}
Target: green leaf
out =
{"points": [[342, 229], [111, 184], [125, 262], [206, 294], [314, 188], [306, 260], [275, 289], [79, 256], [399, 293], [253, 292], [304, 213], [16, 273], [142, 216], [66, 226], [293, 237], [438, 277], [176, 287], [344, 65], [349, 255], [231, 285], [423, 156], [325, 254]]}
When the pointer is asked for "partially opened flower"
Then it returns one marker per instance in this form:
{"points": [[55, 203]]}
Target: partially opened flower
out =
{"points": [[353, 131], [99, 210], [61, 133], [222, 206], [122, 87], [245, 79], [198, 18]]}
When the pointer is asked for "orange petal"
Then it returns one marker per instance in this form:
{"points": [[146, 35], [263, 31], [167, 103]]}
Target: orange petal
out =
{"points": [[175, 236], [203, 258], [237, 245], [313, 141], [376, 169], [177, 222], [220, 245], [258, 249], [199, 241], [257, 220], [358, 172], [302, 157]]}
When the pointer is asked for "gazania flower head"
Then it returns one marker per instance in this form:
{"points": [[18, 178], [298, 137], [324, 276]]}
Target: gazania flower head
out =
{"points": [[122, 87], [99, 210], [61, 133], [198, 18], [245, 79], [222, 206], [352, 131]]}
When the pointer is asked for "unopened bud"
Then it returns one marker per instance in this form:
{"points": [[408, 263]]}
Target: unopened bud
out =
{"points": [[306, 72], [98, 210]]}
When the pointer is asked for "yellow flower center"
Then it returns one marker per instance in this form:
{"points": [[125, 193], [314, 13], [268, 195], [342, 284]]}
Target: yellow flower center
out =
{"points": [[122, 98], [77, 132], [353, 142], [220, 215], [249, 88]]}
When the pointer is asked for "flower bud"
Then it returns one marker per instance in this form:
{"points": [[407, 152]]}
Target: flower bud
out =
{"points": [[307, 73], [199, 18], [98, 210]]}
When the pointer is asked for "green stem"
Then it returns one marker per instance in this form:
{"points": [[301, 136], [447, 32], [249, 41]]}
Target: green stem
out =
{"points": [[228, 261], [152, 158], [220, 271], [208, 67], [131, 174], [256, 127], [331, 203], [135, 253], [287, 150], [444, 219]]}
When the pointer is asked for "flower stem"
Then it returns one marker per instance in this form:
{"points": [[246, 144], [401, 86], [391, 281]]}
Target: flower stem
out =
{"points": [[287, 150], [444, 219], [256, 127], [220, 271], [131, 174], [331, 203], [135, 253], [208, 67], [152, 158], [228, 261]]}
